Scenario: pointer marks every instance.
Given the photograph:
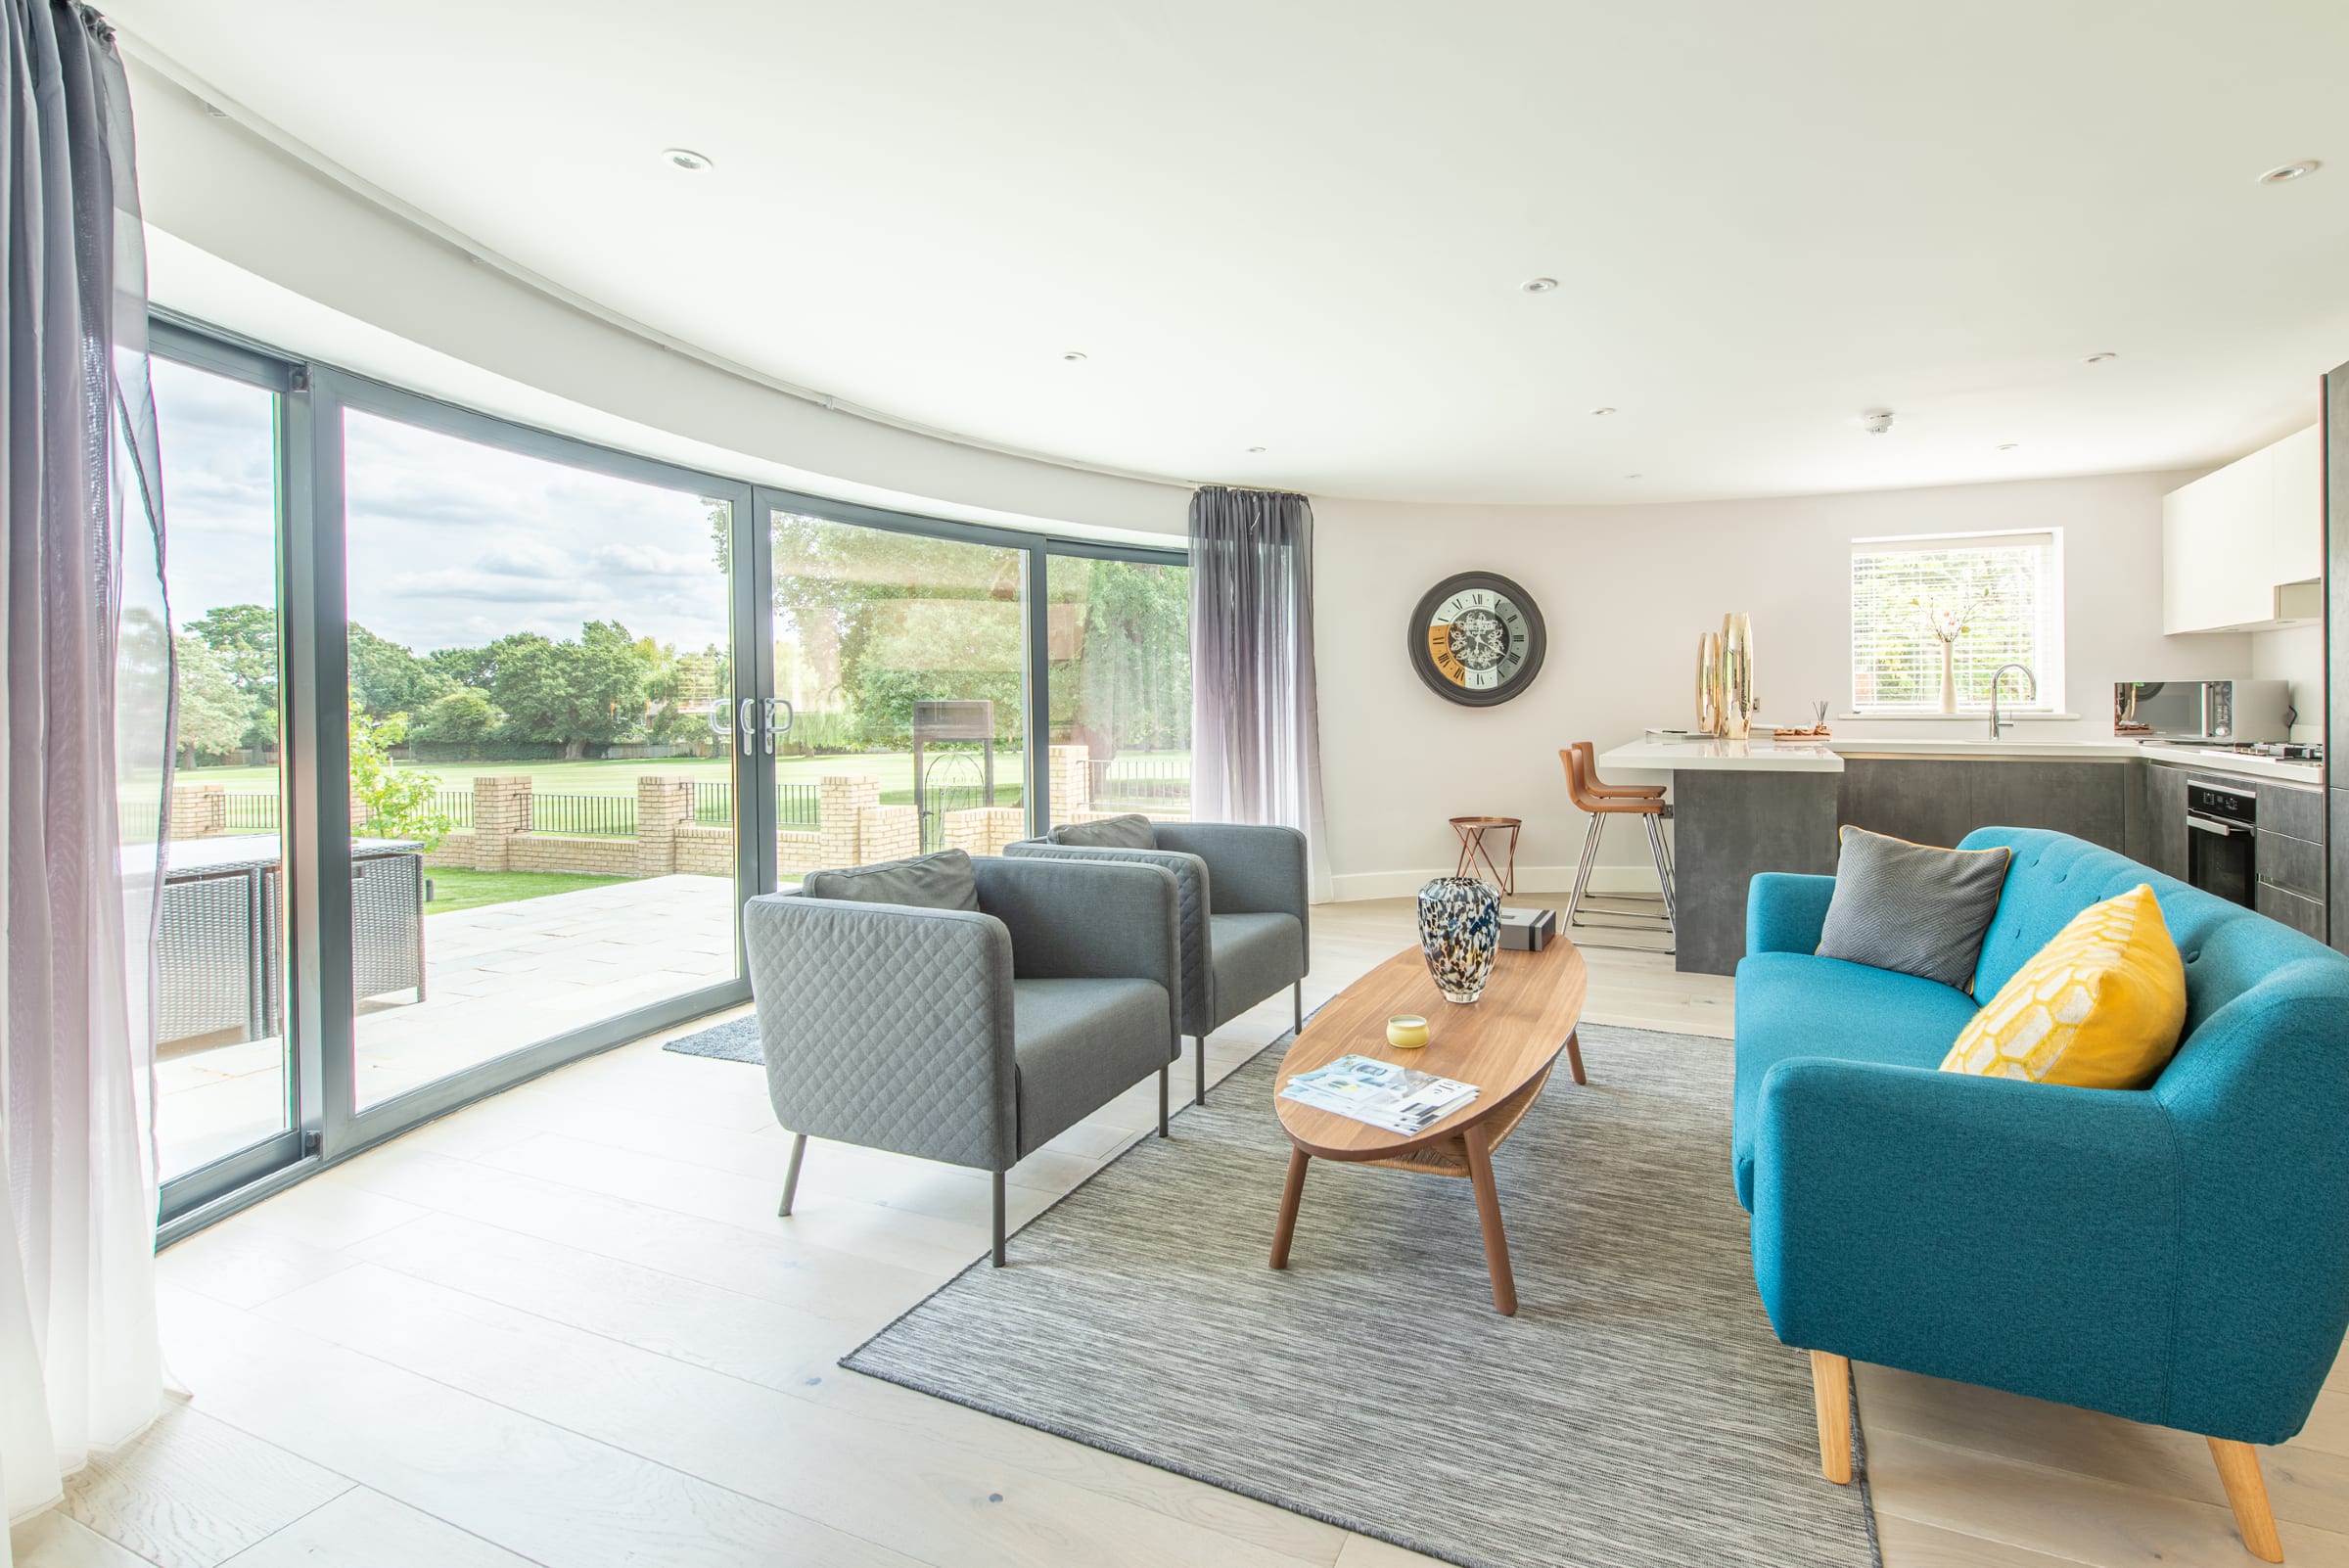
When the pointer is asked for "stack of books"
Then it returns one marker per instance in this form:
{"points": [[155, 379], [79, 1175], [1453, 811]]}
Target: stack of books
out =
{"points": [[1381, 1093]]}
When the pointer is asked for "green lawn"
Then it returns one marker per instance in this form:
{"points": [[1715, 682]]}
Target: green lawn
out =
{"points": [[454, 890]]}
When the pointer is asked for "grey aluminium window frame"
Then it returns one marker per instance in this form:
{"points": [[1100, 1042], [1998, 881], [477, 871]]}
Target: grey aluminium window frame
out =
{"points": [[313, 655]]}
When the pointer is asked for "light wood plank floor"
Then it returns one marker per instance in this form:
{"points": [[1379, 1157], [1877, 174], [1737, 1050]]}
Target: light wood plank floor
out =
{"points": [[565, 1327]]}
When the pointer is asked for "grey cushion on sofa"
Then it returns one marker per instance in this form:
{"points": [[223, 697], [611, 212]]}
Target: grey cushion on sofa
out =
{"points": [[1910, 908], [1068, 1035], [941, 880], [1130, 832]]}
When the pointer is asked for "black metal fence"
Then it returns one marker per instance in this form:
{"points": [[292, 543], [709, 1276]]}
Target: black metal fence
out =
{"points": [[595, 816], [1142, 782], [796, 806], [713, 802], [250, 813]]}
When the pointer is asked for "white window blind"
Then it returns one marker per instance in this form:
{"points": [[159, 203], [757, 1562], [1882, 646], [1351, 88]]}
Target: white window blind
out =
{"points": [[2007, 589]]}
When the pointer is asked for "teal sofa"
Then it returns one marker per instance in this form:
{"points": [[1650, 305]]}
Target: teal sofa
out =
{"points": [[2177, 1254]]}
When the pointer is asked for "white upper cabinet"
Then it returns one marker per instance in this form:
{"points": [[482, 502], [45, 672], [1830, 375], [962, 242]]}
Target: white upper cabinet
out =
{"points": [[2240, 546]]}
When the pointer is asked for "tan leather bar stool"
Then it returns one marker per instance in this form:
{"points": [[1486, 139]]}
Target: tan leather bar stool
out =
{"points": [[1603, 801]]}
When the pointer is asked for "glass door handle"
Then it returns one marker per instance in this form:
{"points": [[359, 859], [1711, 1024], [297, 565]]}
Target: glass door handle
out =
{"points": [[746, 713], [790, 716]]}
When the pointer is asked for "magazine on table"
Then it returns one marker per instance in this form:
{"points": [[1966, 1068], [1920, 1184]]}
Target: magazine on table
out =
{"points": [[1400, 1099]]}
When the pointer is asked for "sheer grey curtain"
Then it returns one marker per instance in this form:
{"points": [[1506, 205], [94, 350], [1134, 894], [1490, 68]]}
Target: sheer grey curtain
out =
{"points": [[85, 710], [1256, 732]]}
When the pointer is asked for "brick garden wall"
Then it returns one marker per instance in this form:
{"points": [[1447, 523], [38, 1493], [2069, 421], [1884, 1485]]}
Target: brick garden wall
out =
{"points": [[853, 827]]}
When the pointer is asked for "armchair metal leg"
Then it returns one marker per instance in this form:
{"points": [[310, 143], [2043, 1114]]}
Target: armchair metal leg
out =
{"points": [[791, 1178], [2247, 1496], [1831, 1399], [999, 1219], [1297, 996], [1164, 1074], [1199, 1057]]}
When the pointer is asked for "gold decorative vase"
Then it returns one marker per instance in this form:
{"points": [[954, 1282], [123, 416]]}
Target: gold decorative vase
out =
{"points": [[1738, 705], [1708, 685]]}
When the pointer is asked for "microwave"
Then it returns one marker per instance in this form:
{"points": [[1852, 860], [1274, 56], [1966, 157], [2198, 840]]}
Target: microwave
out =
{"points": [[2237, 711]]}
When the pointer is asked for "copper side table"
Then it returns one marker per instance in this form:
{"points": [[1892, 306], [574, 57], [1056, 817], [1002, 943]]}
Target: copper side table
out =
{"points": [[1476, 836]]}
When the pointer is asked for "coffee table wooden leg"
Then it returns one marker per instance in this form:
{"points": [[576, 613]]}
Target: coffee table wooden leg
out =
{"points": [[1291, 1193], [1574, 1056], [1487, 1214]]}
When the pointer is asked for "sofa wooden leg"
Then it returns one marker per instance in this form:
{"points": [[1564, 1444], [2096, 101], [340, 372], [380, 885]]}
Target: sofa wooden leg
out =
{"points": [[1831, 1398], [2247, 1496]]}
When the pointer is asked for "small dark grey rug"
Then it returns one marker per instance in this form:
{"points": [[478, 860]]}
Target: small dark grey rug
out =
{"points": [[1638, 1411], [734, 1040]]}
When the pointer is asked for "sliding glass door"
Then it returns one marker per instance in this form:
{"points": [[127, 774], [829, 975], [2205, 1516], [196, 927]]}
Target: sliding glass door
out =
{"points": [[225, 1067], [541, 749], [899, 664], [486, 733]]}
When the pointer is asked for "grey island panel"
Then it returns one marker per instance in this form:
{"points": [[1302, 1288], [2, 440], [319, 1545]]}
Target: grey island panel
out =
{"points": [[1940, 801], [1728, 825]]}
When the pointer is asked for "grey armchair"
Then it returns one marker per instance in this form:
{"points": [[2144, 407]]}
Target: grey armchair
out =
{"points": [[1242, 900], [971, 1036]]}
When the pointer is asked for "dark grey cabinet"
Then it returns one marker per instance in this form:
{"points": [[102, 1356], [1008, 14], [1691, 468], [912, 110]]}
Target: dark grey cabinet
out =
{"points": [[1940, 801], [2161, 841], [2305, 915], [2293, 812]]}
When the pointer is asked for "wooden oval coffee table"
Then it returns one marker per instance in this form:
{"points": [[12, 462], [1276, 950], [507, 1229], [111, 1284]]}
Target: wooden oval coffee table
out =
{"points": [[1504, 1044]]}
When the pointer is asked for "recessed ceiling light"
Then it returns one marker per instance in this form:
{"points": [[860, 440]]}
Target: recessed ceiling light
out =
{"points": [[1634, 475], [2286, 173], [1602, 411], [1073, 356], [213, 110], [686, 158], [1256, 448], [2009, 446], [2100, 358], [1539, 285]]}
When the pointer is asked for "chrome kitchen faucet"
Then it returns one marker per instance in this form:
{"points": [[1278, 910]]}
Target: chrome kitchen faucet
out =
{"points": [[1995, 722]]}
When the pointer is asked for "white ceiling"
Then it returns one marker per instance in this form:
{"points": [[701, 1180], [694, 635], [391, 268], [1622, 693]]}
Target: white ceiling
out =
{"points": [[1304, 226]]}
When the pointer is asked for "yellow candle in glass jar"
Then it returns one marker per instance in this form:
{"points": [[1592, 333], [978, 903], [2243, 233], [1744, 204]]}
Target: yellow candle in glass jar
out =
{"points": [[1407, 1031]]}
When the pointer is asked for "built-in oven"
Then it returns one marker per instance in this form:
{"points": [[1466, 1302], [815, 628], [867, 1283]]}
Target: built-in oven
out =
{"points": [[2222, 831]]}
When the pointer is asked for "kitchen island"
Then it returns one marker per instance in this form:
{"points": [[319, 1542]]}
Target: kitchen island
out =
{"points": [[1745, 806]]}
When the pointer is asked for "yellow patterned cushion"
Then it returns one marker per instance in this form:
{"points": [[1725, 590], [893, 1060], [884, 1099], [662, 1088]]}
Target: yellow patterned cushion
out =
{"points": [[2100, 1007]]}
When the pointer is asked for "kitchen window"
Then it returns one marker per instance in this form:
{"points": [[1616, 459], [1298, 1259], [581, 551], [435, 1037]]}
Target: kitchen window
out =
{"points": [[1993, 598]]}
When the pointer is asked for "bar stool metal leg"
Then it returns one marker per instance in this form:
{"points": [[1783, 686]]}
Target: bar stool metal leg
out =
{"points": [[1655, 847], [1581, 872]]}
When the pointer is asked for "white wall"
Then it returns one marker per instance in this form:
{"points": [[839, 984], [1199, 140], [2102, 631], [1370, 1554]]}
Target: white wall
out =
{"points": [[2295, 653], [1626, 591]]}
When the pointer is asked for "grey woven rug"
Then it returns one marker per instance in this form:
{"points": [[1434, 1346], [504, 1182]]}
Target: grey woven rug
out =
{"points": [[1638, 1411], [734, 1040]]}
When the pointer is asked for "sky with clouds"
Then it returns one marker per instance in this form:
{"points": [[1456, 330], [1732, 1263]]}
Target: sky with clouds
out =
{"points": [[451, 543]]}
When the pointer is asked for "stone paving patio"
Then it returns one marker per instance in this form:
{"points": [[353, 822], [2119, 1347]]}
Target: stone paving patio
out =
{"points": [[497, 978]]}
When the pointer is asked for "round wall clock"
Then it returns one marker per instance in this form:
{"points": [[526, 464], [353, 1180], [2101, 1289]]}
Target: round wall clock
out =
{"points": [[1478, 640]]}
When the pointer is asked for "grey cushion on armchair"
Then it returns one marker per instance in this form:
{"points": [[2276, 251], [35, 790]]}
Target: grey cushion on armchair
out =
{"points": [[971, 1037]]}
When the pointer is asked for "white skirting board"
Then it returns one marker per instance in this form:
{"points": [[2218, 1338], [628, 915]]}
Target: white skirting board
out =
{"points": [[1549, 882]]}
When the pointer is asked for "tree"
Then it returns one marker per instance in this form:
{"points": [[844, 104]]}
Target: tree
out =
{"points": [[387, 678], [395, 803], [570, 694], [463, 718], [213, 713], [467, 667], [1132, 686], [245, 637]]}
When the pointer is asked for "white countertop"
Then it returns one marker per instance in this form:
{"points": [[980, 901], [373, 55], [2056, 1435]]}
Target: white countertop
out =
{"points": [[1763, 755], [2237, 763]]}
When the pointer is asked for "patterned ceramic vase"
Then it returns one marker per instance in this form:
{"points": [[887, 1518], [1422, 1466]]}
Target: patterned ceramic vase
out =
{"points": [[1459, 931]]}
